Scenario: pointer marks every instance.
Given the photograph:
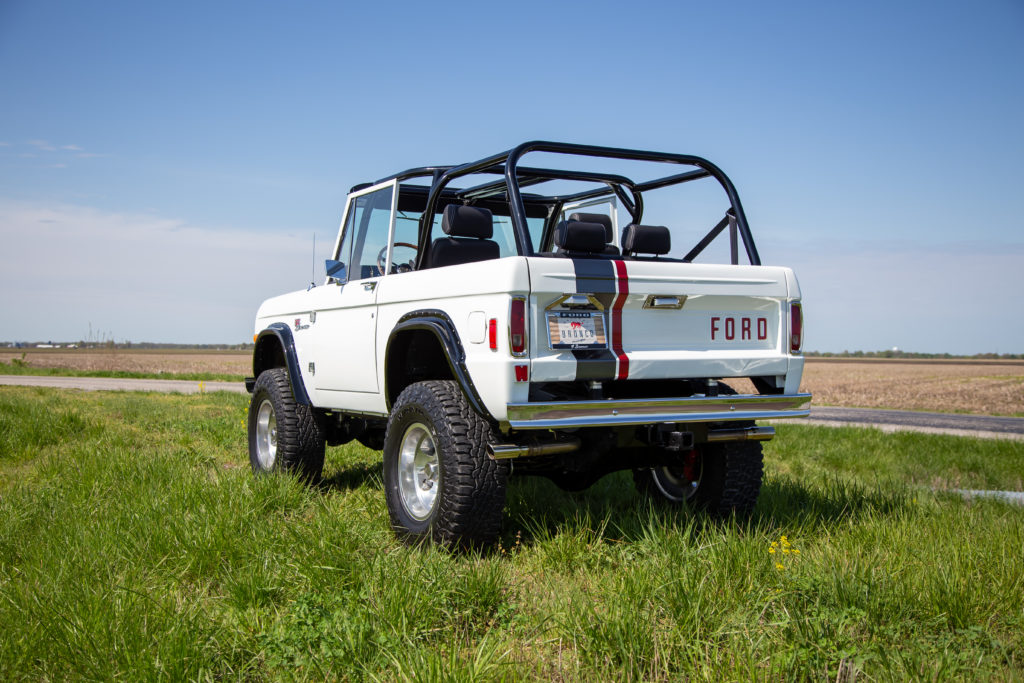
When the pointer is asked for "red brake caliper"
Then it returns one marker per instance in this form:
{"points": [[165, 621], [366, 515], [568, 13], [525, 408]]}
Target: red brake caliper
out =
{"points": [[691, 466]]}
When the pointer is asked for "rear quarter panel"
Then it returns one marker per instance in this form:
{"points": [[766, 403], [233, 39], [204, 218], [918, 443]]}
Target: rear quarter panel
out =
{"points": [[470, 295]]}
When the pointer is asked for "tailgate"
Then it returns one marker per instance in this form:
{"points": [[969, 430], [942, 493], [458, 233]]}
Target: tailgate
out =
{"points": [[621, 319]]}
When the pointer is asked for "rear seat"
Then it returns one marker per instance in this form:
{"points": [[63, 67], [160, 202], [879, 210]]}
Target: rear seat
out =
{"points": [[609, 232], [579, 239], [469, 230], [646, 239]]}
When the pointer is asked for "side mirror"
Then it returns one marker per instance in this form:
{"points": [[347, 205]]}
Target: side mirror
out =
{"points": [[335, 269]]}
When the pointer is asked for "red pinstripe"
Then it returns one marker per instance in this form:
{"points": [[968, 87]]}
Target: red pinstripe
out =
{"points": [[622, 285]]}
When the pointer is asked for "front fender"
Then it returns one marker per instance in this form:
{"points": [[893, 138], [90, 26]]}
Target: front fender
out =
{"points": [[275, 347]]}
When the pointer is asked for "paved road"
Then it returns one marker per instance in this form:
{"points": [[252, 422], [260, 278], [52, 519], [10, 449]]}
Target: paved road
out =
{"points": [[1016, 497], [887, 420], [116, 384], [937, 423]]}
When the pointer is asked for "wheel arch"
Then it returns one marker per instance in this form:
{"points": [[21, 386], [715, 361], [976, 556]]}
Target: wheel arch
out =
{"points": [[438, 350], [275, 348]]}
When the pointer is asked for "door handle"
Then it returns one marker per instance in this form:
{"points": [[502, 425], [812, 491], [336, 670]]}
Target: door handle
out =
{"points": [[665, 302], [370, 286]]}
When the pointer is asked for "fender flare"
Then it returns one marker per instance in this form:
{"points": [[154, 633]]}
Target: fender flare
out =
{"points": [[440, 325], [283, 334]]}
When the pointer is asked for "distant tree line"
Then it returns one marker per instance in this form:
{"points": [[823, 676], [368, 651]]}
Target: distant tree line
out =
{"points": [[199, 347], [110, 344], [897, 353], [248, 346]]}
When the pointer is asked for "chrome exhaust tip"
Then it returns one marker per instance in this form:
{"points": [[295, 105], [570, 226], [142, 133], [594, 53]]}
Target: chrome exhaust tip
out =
{"points": [[742, 434], [506, 451]]}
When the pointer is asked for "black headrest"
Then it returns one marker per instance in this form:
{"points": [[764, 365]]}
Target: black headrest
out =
{"points": [[579, 236], [646, 239], [603, 219], [467, 221], [450, 251]]}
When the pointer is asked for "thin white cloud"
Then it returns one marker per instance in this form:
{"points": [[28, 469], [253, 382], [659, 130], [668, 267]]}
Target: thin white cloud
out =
{"points": [[47, 146], [955, 298], [143, 277], [63, 155], [146, 277]]}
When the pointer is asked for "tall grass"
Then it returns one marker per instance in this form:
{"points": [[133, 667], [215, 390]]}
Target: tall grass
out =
{"points": [[135, 544]]}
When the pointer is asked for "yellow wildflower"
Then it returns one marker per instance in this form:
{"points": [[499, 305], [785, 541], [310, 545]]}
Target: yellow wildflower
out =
{"points": [[778, 565]]}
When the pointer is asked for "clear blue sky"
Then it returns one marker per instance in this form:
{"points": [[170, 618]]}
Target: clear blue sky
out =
{"points": [[163, 167]]}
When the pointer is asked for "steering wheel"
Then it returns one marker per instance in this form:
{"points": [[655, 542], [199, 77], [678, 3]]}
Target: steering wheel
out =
{"points": [[382, 258]]}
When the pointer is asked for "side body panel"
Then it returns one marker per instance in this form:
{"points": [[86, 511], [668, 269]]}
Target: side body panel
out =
{"points": [[348, 346]]}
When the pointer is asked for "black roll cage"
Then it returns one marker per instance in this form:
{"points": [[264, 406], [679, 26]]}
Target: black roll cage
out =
{"points": [[627, 191]]}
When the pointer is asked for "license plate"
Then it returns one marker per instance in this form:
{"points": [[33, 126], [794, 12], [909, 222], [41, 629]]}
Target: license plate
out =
{"points": [[576, 330]]}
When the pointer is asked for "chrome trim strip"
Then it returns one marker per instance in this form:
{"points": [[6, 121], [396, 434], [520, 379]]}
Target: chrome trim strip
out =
{"points": [[566, 414]]}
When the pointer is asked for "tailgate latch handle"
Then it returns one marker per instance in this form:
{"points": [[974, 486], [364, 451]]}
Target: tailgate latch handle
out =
{"points": [[665, 301]]}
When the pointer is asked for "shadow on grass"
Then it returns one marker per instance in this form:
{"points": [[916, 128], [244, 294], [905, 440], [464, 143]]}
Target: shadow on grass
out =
{"points": [[785, 502], [354, 476], [613, 510]]}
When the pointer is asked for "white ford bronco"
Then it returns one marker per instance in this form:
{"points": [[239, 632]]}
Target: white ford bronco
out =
{"points": [[495, 318]]}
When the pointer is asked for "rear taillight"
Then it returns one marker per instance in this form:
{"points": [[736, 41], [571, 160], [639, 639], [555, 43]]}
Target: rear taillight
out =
{"points": [[796, 327], [517, 326]]}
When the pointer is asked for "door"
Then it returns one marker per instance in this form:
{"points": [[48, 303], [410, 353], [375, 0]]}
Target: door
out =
{"points": [[344, 311]]}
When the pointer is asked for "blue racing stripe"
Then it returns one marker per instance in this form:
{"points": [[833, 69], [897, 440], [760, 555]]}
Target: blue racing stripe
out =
{"points": [[595, 276]]}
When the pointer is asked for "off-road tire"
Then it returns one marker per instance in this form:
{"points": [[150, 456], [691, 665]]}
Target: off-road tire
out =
{"points": [[470, 496], [730, 480], [730, 475], [300, 437]]}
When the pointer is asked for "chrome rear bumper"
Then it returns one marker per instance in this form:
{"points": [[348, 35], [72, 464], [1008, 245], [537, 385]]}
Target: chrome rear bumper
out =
{"points": [[571, 414]]}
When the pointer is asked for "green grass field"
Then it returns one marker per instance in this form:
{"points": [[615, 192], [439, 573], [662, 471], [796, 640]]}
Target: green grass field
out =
{"points": [[135, 544]]}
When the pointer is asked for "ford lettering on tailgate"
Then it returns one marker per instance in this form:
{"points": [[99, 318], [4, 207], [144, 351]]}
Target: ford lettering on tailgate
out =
{"points": [[739, 328]]}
